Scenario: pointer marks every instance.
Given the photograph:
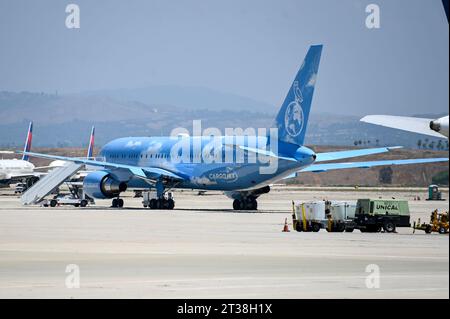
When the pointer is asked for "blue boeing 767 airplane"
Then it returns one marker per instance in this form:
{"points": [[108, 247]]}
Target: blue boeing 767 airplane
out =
{"points": [[151, 163]]}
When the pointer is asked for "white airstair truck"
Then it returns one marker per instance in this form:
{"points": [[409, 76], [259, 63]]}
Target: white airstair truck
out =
{"points": [[36, 193]]}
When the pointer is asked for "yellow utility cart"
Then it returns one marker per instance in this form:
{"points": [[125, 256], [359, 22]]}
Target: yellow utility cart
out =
{"points": [[438, 223]]}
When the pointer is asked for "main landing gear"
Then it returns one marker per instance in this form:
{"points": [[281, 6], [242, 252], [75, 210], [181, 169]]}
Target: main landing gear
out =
{"points": [[248, 203], [117, 203], [161, 203], [162, 200]]}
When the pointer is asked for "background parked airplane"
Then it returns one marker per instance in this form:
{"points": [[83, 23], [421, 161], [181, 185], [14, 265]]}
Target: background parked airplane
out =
{"points": [[23, 171], [19, 170], [433, 127], [148, 162]]}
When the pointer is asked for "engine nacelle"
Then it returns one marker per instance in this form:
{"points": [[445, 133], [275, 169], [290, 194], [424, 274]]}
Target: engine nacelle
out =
{"points": [[101, 185], [440, 125]]}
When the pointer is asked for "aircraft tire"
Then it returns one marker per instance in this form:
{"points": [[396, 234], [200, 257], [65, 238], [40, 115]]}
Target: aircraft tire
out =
{"points": [[253, 205], [170, 204], [236, 204], [316, 227]]}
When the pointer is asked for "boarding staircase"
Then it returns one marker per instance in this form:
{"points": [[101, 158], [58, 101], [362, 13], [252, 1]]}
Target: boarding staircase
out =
{"points": [[49, 182]]}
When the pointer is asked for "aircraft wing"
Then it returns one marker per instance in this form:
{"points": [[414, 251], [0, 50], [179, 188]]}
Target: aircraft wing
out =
{"points": [[318, 168], [332, 156], [140, 172], [410, 124]]}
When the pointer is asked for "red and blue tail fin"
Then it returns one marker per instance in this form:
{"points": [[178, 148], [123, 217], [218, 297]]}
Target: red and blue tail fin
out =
{"points": [[90, 151], [27, 147]]}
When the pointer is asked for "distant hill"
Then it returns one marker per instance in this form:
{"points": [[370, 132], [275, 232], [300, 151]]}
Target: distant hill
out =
{"points": [[65, 120], [185, 97]]}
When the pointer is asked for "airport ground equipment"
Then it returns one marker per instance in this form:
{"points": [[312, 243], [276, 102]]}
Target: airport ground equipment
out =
{"points": [[438, 223], [65, 200], [340, 216], [49, 182], [373, 215], [434, 193], [150, 200], [76, 197], [26, 183], [309, 216], [20, 188]]}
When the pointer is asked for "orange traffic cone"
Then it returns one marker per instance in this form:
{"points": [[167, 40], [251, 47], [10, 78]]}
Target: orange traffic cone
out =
{"points": [[286, 226]]}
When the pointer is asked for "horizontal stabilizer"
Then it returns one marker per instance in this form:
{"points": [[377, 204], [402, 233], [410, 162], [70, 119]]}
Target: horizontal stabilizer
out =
{"points": [[269, 153], [332, 156]]}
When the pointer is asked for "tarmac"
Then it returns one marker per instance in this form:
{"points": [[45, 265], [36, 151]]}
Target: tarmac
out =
{"points": [[204, 249]]}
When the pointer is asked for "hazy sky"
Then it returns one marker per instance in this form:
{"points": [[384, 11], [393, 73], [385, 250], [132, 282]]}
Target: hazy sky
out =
{"points": [[251, 48]]}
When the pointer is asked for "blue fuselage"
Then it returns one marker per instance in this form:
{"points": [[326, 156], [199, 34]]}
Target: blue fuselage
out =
{"points": [[230, 169]]}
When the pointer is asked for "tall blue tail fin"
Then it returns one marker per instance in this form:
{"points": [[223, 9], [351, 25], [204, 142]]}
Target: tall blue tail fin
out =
{"points": [[292, 118], [27, 147]]}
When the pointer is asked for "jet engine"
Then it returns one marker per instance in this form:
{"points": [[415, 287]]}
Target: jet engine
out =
{"points": [[102, 185], [440, 125]]}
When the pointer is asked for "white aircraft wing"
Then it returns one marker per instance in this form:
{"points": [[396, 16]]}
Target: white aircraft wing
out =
{"points": [[139, 172], [410, 124]]}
